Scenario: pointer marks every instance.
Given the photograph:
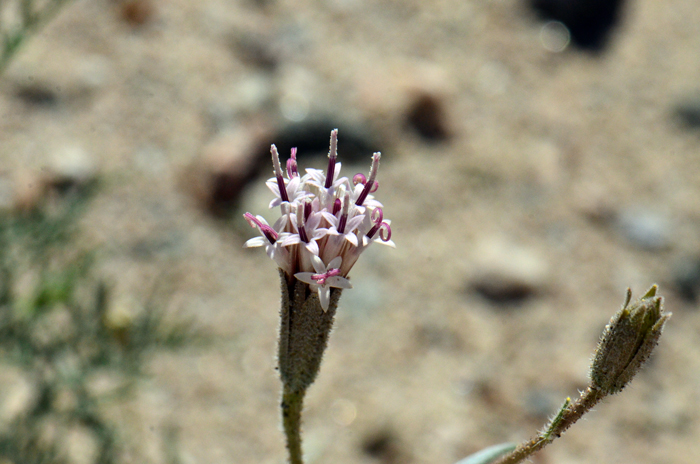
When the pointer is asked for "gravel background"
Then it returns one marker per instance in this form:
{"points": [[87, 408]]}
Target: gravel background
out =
{"points": [[527, 188]]}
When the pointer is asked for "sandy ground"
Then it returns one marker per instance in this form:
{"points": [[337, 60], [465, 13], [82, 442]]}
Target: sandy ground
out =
{"points": [[564, 177]]}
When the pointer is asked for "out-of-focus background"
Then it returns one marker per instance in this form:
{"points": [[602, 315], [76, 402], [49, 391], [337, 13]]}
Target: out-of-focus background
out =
{"points": [[538, 158]]}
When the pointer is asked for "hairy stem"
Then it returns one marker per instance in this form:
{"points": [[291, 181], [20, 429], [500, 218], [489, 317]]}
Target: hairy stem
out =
{"points": [[292, 404], [565, 418]]}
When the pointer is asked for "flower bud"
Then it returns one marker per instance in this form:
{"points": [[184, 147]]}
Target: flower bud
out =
{"points": [[627, 342]]}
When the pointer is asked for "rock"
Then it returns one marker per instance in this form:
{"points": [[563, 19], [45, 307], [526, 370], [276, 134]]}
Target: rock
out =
{"points": [[507, 273], [226, 164], [688, 113], [137, 12], [645, 229], [72, 168], [686, 279], [356, 143], [383, 445], [426, 115], [590, 22]]}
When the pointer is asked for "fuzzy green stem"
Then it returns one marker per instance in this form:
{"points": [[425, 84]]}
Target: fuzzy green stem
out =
{"points": [[304, 331], [292, 405], [565, 418]]}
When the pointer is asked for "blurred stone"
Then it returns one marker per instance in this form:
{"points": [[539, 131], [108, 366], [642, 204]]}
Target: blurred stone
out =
{"points": [[311, 137], [18, 394], [426, 115], [645, 229], [81, 446], [384, 446], [137, 12], [507, 273], [688, 113], [686, 279], [72, 168], [37, 93], [590, 22], [225, 166], [256, 49]]}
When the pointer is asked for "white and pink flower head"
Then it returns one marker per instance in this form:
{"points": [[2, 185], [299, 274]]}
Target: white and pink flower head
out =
{"points": [[326, 221]]}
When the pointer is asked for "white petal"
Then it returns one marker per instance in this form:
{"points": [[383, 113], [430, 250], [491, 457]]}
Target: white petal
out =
{"points": [[324, 294], [338, 282], [330, 218], [255, 242], [318, 264], [312, 246], [335, 263], [352, 238], [305, 277], [355, 222], [291, 239]]}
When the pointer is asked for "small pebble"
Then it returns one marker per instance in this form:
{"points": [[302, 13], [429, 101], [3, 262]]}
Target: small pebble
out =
{"points": [[137, 12], [426, 116], [645, 229], [72, 168], [507, 273]]}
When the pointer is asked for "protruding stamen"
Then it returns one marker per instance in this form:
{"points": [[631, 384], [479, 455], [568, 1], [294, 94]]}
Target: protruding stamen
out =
{"points": [[292, 168], [332, 155], [337, 204], [358, 178], [278, 173], [344, 215], [375, 186], [370, 182], [383, 228], [267, 231], [300, 226]]}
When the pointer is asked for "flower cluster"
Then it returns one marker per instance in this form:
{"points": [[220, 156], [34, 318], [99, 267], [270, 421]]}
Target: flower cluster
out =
{"points": [[327, 221]]}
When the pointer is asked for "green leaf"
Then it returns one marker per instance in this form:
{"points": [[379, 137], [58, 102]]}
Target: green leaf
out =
{"points": [[488, 455]]}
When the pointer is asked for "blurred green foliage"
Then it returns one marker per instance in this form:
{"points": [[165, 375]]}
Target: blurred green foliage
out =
{"points": [[26, 17], [66, 345]]}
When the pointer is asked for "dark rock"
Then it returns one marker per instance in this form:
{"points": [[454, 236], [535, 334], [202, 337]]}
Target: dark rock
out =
{"points": [[384, 446], [590, 22], [37, 94], [686, 279], [311, 138], [137, 12], [688, 113], [426, 116]]}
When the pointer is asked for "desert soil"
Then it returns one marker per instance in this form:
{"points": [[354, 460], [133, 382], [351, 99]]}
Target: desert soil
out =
{"points": [[551, 183]]}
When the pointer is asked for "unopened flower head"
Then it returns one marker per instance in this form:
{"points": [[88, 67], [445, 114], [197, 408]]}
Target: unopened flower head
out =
{"points": [[326, 221], [628, 341]]}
